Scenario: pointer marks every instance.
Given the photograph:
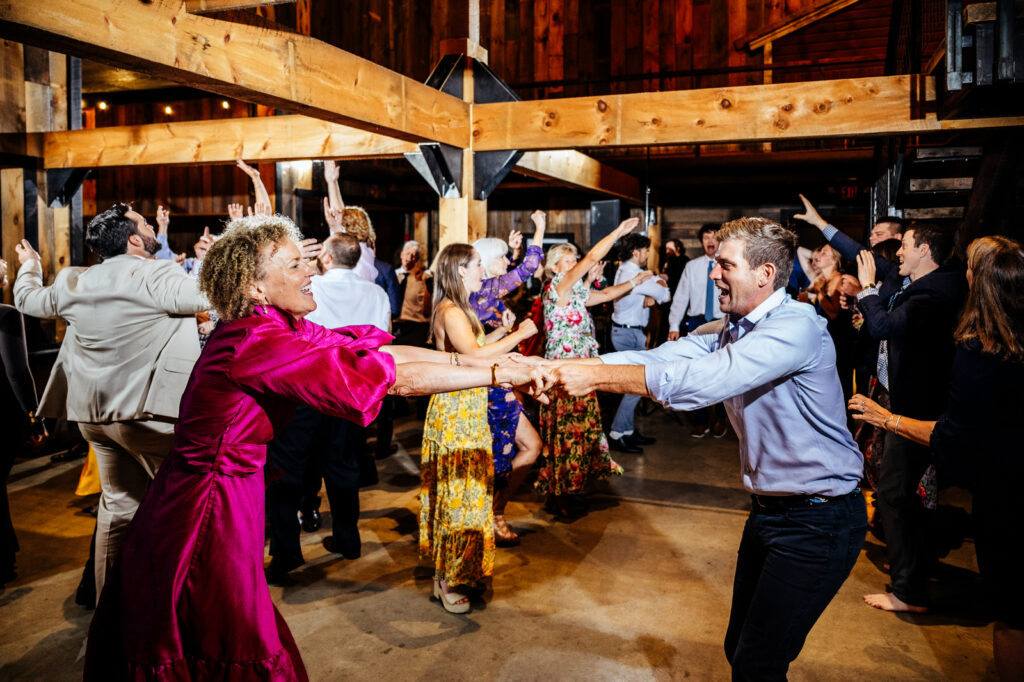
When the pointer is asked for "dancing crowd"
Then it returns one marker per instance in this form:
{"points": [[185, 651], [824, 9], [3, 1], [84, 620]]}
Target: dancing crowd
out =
{"points": [[219, 393]]}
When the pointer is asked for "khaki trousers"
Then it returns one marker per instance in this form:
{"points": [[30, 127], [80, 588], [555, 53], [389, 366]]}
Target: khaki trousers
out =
{"points": [[128, 455]]}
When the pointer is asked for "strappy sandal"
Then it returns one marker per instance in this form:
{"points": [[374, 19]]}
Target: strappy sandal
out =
{"points": [[504, 536], [450, 600]]}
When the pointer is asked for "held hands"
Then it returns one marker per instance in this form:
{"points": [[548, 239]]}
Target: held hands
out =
{"points": [[576, 379], [508, 319], [26, 252], [596, 272], [333, 217], [866, 268], [869, 411], [810, 215], [536, 381]]}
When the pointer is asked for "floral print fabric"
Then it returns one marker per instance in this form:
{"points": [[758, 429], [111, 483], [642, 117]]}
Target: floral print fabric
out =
{"points": [[575, 447], [457, 487]]}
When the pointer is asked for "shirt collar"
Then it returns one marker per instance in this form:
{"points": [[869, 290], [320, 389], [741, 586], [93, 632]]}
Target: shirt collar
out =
{"points": [[748, 321], [339, 273]]}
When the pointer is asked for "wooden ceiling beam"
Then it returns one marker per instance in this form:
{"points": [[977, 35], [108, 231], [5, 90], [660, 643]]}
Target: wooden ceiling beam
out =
{"points": [[276, 68], [885, 105], [574, 169], [208, 6], [290, 138], [265, 138]]}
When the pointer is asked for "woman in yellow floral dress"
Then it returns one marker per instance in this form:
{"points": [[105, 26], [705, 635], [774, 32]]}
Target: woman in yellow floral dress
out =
{"points": [[457, 470]]}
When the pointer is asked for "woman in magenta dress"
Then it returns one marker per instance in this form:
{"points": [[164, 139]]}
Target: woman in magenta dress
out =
{"points": [[188, 599]]}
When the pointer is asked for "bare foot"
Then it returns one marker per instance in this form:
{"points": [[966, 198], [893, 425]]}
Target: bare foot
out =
{"points": [[451, 596], [890, 602]]}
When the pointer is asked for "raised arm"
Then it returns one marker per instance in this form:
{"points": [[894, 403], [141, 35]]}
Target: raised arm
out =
{"points": [[459, 334], [540, 223], [332, 175], [30, 296], [619, 290], [594, 256], [262, 197], [846, 246]]}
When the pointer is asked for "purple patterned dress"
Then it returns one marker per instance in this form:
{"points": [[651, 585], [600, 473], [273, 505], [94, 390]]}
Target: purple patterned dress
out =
{"points": [[503, 407]]}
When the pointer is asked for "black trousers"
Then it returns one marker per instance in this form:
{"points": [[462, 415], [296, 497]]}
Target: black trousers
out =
{"points": [[337, 448], [791, 563], [904, 517]]}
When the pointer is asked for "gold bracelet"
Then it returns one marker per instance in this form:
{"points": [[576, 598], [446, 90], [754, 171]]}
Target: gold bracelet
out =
{"points": [[494, 375], [896, 428], [455, 359]]}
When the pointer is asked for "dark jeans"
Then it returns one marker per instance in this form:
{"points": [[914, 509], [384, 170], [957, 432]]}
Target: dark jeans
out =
{"points": [[337, 447], [903, 517], [791, 563]]}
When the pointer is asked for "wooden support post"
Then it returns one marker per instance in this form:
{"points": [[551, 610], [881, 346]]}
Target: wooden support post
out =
{"points": [[12, 207], [421, 231], [463, 219]]}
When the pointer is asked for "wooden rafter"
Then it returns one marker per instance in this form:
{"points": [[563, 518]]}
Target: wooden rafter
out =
{"points": [[266, 138], [886, 105], [275, 68], [289, 138], [207, 6], [791, 24]]}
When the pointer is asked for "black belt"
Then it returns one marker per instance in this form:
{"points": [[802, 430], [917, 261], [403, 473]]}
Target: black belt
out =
{"points": [[782, 502], [641, 327]]}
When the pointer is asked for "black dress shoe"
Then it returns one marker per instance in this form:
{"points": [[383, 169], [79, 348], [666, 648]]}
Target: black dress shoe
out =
{"points": [[386, 452], [311, 521], [622, 445], [637, 438], [347, 552], [277, 572]]}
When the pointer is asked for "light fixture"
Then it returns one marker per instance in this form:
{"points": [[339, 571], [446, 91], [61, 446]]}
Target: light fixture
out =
{"points": [[225, 104], [168, 110], [102, 106]]}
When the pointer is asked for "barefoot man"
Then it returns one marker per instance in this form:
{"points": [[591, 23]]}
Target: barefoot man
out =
{"points": [[773, 364]]}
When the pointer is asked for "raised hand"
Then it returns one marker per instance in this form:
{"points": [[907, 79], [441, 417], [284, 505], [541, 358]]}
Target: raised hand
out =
{"points": [[333, 217], [331, 171], [528, 328], [163, 219], [263, 208], [253, 173], [540, 219], [866, 267], [235, 211], [515, 240], [810, 215], [179, 258], [26, 252], [596, 272], [3, 273], [204, 244], [508, 319], [310, 248], [627, 226]]}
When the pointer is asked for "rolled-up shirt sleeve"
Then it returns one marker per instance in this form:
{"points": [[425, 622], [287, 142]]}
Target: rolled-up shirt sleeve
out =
{"points": [[690, 373]]}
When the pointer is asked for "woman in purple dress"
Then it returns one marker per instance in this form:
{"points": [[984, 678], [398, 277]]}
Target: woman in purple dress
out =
{"points": [[188, 598], [515, 443]]}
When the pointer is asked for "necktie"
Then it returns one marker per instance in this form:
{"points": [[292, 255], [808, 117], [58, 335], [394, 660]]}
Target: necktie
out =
{"points": [[709, 296], [882, 366]]}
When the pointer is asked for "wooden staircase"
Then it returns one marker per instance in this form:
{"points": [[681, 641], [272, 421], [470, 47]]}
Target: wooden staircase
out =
{"points": [[935, 183]]}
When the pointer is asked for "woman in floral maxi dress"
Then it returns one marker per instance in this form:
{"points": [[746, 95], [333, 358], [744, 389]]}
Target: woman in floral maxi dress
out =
{"points": [[456, 469], [575, 447]]}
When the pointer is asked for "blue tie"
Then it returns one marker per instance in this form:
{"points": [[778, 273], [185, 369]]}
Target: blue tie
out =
{"points": [[709, 298]]}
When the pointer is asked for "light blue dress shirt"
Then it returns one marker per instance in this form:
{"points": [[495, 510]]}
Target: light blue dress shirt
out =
{"points": [[775, 370]]}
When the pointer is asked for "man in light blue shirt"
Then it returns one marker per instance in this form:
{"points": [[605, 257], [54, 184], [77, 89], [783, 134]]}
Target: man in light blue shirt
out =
{"points": [[772, 362]]}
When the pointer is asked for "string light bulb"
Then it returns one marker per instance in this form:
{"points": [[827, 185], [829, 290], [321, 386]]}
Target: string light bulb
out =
{"points": [[225, 104], [102, 106], [168, 110]]}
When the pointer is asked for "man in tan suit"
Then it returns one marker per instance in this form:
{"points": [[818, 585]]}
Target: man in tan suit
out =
{"points": [[127, 354]]}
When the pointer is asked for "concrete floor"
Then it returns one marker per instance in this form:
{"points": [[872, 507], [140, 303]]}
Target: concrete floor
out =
{"points": [[637, 590]]}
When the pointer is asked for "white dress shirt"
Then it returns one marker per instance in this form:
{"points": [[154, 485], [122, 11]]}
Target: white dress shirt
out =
{"points": [[365, 268], [630, 310], [343, 299], [691, 293]]}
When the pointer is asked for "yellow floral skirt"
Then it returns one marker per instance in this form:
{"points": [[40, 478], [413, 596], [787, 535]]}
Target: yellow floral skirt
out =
{"points": [[457, 487]]}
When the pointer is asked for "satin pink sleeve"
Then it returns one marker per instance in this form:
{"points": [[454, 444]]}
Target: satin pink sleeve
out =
{"points": [[339, 372]]}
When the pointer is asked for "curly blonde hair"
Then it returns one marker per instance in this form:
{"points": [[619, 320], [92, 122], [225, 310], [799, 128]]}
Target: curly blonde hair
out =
{"points": [[356, 222], [237, 259]]}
